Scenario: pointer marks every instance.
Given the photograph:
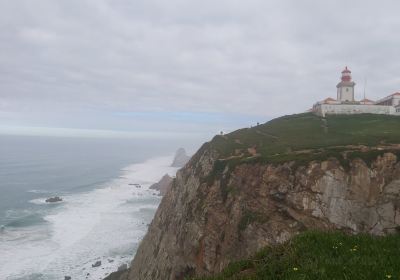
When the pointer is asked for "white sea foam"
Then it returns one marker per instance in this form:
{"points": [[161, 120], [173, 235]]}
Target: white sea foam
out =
{"points": [[104, 224], [38, 191]]}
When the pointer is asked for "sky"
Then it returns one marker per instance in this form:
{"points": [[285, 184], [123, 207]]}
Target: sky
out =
{"points": [[180, 68]]}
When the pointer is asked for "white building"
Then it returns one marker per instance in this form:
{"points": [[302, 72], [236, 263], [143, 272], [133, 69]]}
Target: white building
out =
{"points": [[345, 89], [345, 103], [391, 100]]}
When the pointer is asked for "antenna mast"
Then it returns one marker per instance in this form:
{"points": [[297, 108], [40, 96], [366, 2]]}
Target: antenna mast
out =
{"points": [[365, 85]]}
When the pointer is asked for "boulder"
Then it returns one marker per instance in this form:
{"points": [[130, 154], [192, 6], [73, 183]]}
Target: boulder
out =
{"points": [[53, 199], [96, 264], [123, 267]]}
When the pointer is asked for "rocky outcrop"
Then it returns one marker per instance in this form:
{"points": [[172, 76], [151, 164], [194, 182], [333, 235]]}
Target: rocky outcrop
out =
{"points": [[163, 185], [54, 199], [117, 275], [216, 212], [96, 264], [181, 158]]}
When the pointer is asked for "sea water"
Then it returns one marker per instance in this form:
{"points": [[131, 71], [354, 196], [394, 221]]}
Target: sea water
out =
{"points": [[103, 215]]}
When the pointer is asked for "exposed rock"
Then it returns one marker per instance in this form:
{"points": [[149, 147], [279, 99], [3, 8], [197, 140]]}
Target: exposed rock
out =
{"points": [[163, 185], [67, 277], [181, 158], [96, 264], [117, 275], [54, 199], [209, 218], [123, 267]]}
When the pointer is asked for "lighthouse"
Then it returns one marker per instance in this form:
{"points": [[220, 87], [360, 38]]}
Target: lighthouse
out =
{"points": [[345, 89], [345, 104]]}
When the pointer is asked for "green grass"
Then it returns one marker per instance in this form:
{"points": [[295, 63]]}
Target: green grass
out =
{"points": [[306, 131], [278, 140], [322, 256]]}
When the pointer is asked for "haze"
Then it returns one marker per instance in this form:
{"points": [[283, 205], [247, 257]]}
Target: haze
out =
{"points": [[184, 68]]}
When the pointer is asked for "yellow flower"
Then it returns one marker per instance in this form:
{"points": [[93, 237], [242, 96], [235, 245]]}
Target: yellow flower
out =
{"points": [[295, 268], [388, 276]]}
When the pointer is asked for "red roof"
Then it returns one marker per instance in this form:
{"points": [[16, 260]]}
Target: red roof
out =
{"points": [[346, 70], [366, 100], [327, 100], [396, 93]]}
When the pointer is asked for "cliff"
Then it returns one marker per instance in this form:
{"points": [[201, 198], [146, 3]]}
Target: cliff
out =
{"points": [[261, 186]]}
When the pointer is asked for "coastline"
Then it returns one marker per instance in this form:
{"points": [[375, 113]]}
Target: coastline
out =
{"points": [[83, 228]]}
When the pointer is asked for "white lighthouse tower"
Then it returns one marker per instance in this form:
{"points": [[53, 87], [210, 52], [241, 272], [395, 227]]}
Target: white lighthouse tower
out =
{"points": [[345, 89]]}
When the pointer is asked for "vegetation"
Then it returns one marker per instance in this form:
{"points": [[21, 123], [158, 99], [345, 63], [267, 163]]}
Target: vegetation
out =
{"points": [[249, 217], [321, 255], [306, 137]]}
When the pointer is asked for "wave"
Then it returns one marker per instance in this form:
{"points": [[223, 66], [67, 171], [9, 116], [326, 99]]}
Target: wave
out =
{"points": [[39, 191], [105, 223], [26, 221]]}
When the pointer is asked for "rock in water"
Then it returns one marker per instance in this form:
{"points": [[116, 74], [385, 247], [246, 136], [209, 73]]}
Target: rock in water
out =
{"points": [[181, 158], [54, 199], [163, 185], [67, 278], [96, 264], [123, 267]]}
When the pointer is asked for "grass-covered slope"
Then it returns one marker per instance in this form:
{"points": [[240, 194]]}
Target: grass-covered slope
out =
{"points": [[322, 256], [307, 137]]}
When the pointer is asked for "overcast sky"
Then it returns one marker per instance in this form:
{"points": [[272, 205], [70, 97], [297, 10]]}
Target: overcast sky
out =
{"points": [[184, 67]]}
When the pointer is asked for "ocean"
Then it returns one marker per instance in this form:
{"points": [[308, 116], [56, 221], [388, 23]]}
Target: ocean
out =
{"points": [[102, 217]]}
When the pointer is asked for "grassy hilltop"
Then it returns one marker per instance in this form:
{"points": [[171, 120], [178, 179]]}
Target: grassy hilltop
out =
{"points": [[306, 137]]}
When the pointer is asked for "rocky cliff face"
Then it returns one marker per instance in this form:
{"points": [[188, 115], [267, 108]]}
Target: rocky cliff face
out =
{"points": [[215, 213]]}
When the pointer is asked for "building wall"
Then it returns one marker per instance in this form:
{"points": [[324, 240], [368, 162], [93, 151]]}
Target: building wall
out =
{"points": [[348, 109], [396, 101], [390, 101], [346, 94]]}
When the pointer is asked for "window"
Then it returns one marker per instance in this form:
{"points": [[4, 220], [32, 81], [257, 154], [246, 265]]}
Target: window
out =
{"points": [[347, 89]]}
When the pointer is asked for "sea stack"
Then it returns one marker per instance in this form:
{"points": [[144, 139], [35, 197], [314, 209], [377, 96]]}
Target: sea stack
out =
{"points": [[181, 158], [163, 185]]}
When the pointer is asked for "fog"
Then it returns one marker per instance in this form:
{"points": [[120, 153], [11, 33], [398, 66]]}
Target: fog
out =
{"points": [[184, 69]]}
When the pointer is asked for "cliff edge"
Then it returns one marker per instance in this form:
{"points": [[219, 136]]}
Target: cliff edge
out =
{"points": [[261, 186]]}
